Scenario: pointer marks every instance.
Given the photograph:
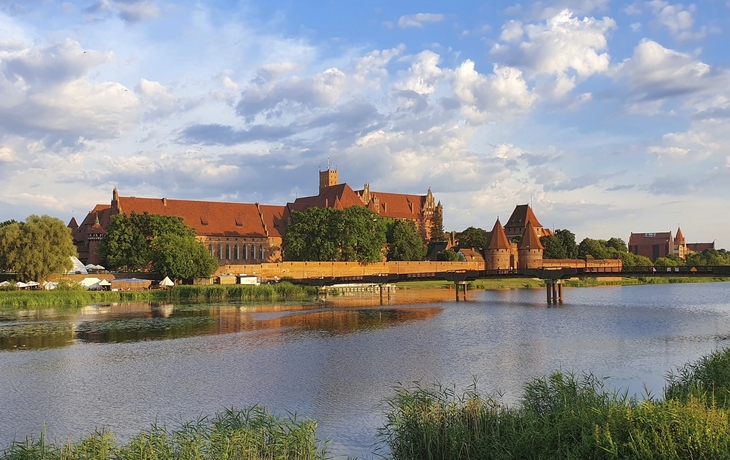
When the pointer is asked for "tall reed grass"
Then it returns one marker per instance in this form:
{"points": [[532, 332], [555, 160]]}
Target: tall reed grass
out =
{"points": [[77, 298], [251, 434], [565, 416]]}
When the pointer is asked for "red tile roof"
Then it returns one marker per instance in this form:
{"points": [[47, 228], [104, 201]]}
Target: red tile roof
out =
{"points": [[679, 238], [529, 239], [211, 218], [397, 205], [498, 239], [639, 239], [521, 216]]}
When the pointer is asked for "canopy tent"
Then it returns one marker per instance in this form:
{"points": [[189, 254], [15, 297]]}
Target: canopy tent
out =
{"points": [[167, 282], [21, 285], [88, 283], [49, 286], [4, 283], [104, 283]]}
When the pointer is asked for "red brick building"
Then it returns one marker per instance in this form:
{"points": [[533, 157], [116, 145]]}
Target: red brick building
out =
{"points": [[248, 233]]}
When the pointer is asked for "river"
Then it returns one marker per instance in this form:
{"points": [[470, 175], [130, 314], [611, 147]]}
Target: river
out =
{"points": [[127, 366]]}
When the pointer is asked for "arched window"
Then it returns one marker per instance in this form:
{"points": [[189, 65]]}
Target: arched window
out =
{"points": [[220, 251], [237, 253], [245, 251], [261, 252], [210, 248], [228, 252], [253, 251]]}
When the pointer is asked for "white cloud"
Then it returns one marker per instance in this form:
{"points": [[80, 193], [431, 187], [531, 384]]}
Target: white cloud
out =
{"points": [[636, 26], [501, 95], [563, 46], [46, 89], [418, 20], [129, 11], [7, 155], [677, 19], [655, 74], [511, 31], [423, 73]]}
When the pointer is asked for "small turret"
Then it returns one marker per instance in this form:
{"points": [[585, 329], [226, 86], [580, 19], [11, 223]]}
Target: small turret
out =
{"points": [[530, 249], [498, 254]]}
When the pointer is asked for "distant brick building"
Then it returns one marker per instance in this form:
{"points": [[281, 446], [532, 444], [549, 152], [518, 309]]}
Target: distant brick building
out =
{"points": [[520, 218], [251, 233], [661, 244]]}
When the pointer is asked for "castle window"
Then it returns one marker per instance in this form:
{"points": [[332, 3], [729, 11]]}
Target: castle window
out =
{"points": [[228, 252], [237, 252], [253, 251], [245, 251], [261, 252], [210, 248], [220, 251]]}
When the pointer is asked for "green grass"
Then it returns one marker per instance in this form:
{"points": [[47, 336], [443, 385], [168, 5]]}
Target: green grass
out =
{"points": [[247, 434], [565, 416], [80, 298]]}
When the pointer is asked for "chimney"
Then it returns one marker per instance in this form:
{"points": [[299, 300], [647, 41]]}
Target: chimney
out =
{"points": [[164, 202]]}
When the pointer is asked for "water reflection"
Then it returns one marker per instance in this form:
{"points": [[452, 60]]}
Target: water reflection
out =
{"points": [[139, 321]]}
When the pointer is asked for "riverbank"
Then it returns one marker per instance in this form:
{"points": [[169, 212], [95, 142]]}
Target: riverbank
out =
{"points": [[561, 416], [79, 298], [533, 283]]}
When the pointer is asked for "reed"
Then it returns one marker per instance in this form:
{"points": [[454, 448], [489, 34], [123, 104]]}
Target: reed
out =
{"points": [[283, 290], [253, 434], [565, 416]]}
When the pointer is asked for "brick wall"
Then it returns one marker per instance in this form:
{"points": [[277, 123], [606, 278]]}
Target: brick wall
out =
{"points": [[328, 269]]}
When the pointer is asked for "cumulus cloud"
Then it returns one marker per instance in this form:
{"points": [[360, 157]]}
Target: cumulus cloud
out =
{"points": [[677, 18], [484, 98], [418, 20], [7, 155], [655, 74], [46, 91], [563, 46]]}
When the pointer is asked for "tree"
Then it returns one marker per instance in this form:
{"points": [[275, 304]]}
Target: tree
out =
{"points": [[181, 257], [37, 247], [554, 249], [127, 243], [634, 260], [447, 255], [437, 225], [404, 242], [618, 244], [328, 234], [595, 248], [473, 238], [671, 260], [567, 240]]}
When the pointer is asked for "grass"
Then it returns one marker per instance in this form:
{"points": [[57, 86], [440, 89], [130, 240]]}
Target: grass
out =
{"points": [[565, 416], [79, 298], [251, 434]]}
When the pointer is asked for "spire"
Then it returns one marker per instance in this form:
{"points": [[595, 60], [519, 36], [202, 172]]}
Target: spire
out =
{"points": [[529, 239], [498, 239], [680, 237]]}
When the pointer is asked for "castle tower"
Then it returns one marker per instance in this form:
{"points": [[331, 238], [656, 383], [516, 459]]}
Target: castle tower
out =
{"points": [[530, 249], [498, 254], [327, 178], [680, 245]]}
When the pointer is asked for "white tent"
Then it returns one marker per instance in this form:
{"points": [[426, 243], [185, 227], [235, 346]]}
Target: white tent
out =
{"points": [[21, 285], [167, 282], [49, 286], [104, 283], [4, 283], [78, 267], [88, 283]]}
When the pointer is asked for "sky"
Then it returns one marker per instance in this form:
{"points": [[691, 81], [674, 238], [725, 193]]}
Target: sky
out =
{"points": [[610, 117]]}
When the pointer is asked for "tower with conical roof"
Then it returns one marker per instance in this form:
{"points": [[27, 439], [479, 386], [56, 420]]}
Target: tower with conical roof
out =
{"points": [[680, 245], [499, 254], [530, 249]]}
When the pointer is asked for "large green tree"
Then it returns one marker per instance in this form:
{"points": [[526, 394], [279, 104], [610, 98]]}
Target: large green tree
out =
{"points": [[437, 225], [181, 257], [473, 238], [127, 244], [36, 248], [554, 249], [328, 234], [404, 242], [595, 248]]}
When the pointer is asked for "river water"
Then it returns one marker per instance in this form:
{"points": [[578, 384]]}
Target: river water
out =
{"points": [[127, 366]]}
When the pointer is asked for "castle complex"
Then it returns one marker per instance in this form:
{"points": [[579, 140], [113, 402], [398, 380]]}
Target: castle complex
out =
{"points": [[662, 244], [251, 233]]}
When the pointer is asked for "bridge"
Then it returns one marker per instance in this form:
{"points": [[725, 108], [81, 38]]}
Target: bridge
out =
{"points": [[553, 277]]}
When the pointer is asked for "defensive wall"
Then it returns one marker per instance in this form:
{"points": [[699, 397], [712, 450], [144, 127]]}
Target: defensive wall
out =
{"points": [[267, 271]]}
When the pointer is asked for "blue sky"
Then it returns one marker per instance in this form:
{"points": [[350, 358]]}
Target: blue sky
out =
{"points": [[609, 116]]}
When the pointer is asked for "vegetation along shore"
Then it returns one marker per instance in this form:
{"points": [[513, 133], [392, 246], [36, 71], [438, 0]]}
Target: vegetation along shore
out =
{"points": [[560, 416]]}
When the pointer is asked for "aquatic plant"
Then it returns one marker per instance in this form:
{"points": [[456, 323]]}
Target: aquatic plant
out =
{"points": [[253, 434], [567, 416]]}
